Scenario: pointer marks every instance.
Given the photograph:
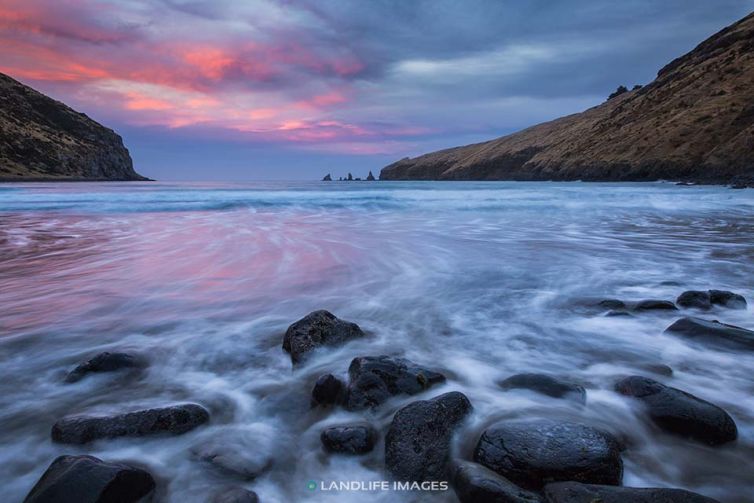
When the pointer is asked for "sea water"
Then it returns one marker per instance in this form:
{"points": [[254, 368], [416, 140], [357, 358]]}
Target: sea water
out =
{"points": [[476, 280]]}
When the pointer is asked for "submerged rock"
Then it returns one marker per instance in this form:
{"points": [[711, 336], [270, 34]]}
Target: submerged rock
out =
{"points": [[105, 362], [349, 439], [713, 331], [239, 452], [318, 328], [234, 494], [417, 444], [474, 483], [705, 300], [374, 379], [679, 412], [655, 305], [172, 420], [328, 390], [86, 479], [727, 299], [613, 304], [573, 492], [534, 453], [546, 385]]}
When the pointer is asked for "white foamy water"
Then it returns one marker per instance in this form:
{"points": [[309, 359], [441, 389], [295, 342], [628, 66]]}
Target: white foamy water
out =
{"points": [[476, 280]]}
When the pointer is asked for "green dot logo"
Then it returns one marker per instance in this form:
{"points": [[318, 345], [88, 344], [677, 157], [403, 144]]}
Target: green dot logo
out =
{"points": [[311, 485]]}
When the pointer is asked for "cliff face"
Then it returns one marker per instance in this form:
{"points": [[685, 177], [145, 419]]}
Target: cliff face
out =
{"points": [[694, 122], [43, 139]]}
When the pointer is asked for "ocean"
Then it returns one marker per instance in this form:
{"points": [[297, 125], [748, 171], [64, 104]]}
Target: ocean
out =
{"points": [[477, 280]]}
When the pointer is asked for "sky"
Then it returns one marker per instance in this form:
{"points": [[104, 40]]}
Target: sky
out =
{"points": [[284, 89]]}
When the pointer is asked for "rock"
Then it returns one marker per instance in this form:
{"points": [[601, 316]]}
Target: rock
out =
{"points": [[616, 314], [417, 444], [235, 494], [532, 453], [105, 362], [694, 299], [603, 143], [658, 368], [86, 479], [370, 177], [727, 299], [327, 178], [705, 300], [319, 328], [474, 483], [573, 492], [374, 379], [678, 412], [349, 439], [713, 331], [239, 452], [546, 385], [173, 420], [613, 304], [43, 139], [328, 390], [655, 305]]}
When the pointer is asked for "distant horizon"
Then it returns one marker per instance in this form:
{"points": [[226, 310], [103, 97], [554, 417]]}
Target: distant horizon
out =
{"points": [[273, 91]]}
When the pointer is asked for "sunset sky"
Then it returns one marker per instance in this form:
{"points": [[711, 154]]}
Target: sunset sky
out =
{"points": [[236, 90]]}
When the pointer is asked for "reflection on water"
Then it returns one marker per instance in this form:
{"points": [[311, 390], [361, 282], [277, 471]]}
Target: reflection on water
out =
{"points": [[477, 280]]}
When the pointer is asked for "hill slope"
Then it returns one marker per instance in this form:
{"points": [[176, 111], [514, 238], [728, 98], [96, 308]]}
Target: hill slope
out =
{"points": [[43, 139], [694, 122]]}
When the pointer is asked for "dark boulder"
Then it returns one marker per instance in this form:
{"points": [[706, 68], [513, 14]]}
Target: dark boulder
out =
{"points": [[374, 379], [694, 299], [713, 331], [705, 300], [417, 444], [655, 305], [679, 412], [727, 299], [234, 494], [172, 420], [573, 492], [328, 390], [86, 479], [349, 439], [474, 483], [618, 314], [105, 362], [316, 329], [546, 385], [534, 453]]}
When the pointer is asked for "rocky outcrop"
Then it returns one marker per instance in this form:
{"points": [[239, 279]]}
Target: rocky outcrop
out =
{"points": [[242, 453], [474, 483], [573, 492], [106, 362], [534, 453], [713, 332], [86, 479], [349, 439], [681, 413], [374, 379], [694, 122], [316, 329], [546, 385], [173, 420], [417, 444], [43, 139]]}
